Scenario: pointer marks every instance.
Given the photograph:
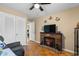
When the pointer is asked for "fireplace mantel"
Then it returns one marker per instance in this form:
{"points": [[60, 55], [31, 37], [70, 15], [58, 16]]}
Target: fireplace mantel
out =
{"points": [[52, 40]]}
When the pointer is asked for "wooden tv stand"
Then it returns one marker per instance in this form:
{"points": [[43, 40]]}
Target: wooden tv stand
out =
{"points": [[52, 40]]}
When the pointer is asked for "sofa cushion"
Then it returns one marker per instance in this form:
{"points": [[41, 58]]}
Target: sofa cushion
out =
{"points": [[18, 50]]}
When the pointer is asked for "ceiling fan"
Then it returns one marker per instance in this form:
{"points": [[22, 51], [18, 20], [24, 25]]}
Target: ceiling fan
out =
{"points": [[38, 5]]}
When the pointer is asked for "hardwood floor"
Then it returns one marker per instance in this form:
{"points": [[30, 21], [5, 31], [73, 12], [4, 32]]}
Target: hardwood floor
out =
{"points": [[34, 49]]}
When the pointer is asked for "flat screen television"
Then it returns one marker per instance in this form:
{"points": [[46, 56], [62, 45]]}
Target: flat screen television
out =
{"points": [[50, 28]]}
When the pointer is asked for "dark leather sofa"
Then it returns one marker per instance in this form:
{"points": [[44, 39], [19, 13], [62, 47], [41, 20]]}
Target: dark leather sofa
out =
{"points": [[16, 47]]}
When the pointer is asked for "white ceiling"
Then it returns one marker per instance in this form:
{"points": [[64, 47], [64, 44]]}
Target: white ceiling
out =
{"points": [[48, 9]]}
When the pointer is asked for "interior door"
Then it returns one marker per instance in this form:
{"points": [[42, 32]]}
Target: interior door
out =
{"points": [[20, 28], [32, 30]]}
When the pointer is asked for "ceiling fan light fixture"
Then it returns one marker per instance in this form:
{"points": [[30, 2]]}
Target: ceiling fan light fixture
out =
{"points": [[37, 6]]}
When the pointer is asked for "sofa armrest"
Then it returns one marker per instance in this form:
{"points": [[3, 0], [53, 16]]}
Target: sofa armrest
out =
{"points": [[12, 45]]}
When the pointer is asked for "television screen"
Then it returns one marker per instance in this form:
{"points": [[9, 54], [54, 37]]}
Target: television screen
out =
{"points": [[50, 28]]}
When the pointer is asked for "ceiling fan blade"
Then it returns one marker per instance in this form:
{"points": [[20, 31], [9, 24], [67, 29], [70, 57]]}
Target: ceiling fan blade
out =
{"points": [[41, 8], [44, 3], [32, 7]]}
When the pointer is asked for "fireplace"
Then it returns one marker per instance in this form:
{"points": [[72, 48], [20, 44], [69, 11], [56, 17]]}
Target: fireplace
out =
{"points": [[53, 40], [49, 42]]}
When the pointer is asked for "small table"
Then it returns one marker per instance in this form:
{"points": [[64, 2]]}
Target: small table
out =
{"points": [[8, 52]]}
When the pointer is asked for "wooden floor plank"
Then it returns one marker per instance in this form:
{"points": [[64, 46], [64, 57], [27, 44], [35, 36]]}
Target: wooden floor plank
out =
{"points": [[35, 49]]}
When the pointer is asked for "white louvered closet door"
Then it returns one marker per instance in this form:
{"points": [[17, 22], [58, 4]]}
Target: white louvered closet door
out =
{"points": [[9, 28], [2, 26], [12, 28]]}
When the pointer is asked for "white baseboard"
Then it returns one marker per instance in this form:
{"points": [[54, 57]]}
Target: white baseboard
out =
{"points": [[36, 41], [68, 50], [27, 44]]}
